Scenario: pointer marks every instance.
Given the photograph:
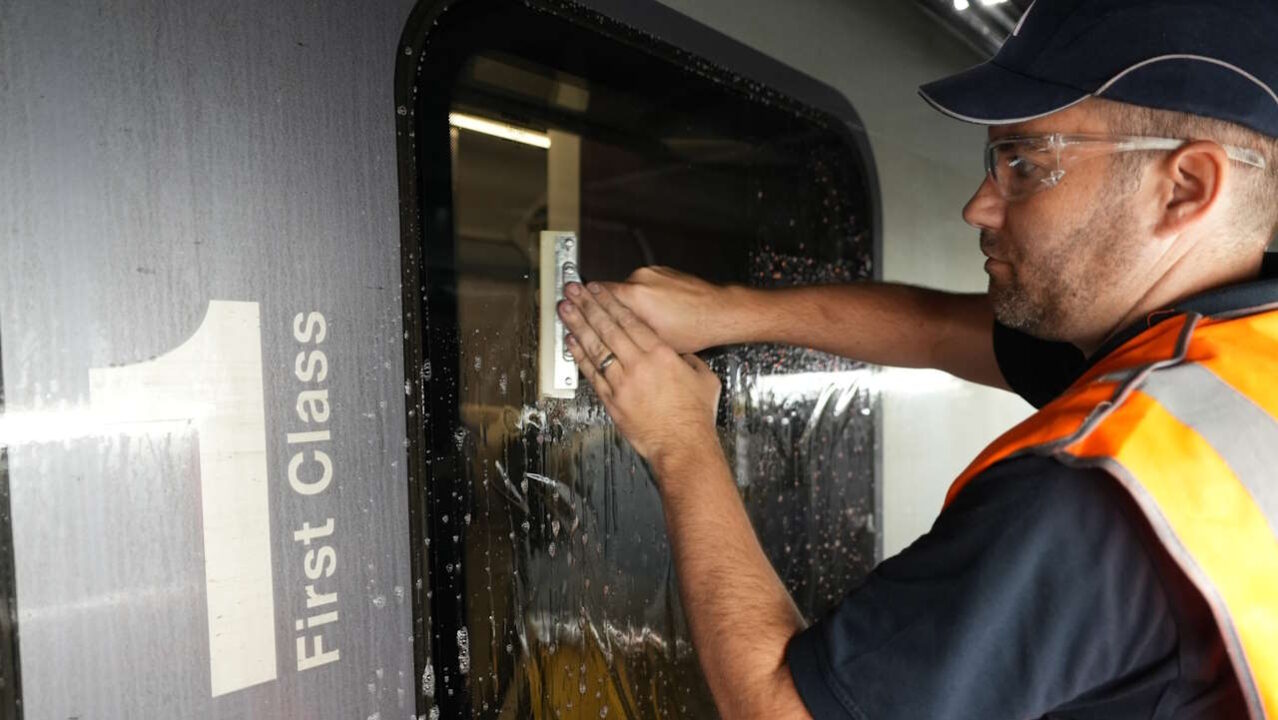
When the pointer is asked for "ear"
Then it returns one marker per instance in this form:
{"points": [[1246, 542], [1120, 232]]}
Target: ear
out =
{"points": [[1190, 183]]}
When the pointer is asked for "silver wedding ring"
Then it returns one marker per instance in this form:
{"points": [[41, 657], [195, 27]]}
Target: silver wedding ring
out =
{"points": [[606, 362]]}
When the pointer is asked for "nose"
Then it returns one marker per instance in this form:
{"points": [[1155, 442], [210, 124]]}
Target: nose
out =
{"points": [[986, 209]]}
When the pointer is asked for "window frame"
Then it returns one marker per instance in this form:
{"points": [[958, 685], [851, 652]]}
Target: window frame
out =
{"points": [[657, 30]]}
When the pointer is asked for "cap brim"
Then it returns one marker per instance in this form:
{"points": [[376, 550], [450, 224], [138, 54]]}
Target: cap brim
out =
{"points": [[992, 95]]}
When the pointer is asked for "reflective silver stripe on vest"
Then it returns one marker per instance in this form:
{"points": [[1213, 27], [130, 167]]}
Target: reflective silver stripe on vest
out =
{"points": [[1241, 432]]}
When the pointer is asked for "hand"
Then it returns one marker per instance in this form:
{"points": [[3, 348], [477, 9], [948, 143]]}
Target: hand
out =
{"points": [[662, 402], [687, 312]]}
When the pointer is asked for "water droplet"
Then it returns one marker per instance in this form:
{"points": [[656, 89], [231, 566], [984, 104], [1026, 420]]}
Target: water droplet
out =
{"points": [[428, 681], [463, 651], [379, 601], [402, 110]]}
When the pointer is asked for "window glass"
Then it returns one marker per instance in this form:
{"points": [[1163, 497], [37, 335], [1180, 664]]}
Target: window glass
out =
{"points": [[551, 589]]}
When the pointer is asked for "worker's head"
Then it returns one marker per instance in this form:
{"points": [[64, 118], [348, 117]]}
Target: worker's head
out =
{"points": [[1133, 157], [1080, 228]]}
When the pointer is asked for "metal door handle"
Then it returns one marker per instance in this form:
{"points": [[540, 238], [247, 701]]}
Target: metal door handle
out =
{"points": [[557, 371]]}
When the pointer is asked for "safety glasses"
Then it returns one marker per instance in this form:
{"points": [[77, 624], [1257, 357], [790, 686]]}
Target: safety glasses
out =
{"points": [[1022, 166]]}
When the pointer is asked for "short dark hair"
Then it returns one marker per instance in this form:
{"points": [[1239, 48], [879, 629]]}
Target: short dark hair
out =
{"points": [[1257, 212]]}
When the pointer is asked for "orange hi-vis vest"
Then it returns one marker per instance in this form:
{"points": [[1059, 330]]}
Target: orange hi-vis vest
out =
{"points": [[1185, 417]]}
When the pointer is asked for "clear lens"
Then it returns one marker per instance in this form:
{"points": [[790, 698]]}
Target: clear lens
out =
{"points": [[1020, 167]]}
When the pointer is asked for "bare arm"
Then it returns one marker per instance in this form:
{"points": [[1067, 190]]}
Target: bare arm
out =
{"points": [[739, 614], [883, 324], [879, 323]]}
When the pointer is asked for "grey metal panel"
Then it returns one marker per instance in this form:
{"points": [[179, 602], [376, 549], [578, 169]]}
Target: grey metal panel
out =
{"points": [[159, 156]]}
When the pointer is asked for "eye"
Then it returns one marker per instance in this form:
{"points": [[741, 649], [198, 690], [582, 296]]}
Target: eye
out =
{"points": [[1023, 167]]}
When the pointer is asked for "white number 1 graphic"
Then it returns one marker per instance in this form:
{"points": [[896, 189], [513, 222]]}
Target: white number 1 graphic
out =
{"points": [[214, 381]]}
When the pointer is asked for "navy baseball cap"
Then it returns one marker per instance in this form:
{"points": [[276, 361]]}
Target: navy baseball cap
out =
{"points": [[1215, 58]]}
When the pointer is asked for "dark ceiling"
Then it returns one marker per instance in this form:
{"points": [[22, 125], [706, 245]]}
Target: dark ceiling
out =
{"points": [[982, 26]]}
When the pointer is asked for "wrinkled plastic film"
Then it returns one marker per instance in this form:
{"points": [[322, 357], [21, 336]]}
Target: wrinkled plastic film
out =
{"points": [[572, 587], [572, 606], [546, 530]]}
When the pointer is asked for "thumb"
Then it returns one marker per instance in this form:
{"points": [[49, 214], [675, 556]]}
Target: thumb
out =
{"points": [[696, 362]]}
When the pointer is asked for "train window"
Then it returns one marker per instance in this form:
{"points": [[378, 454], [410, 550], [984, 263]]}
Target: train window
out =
{"points": [[547, 587]]}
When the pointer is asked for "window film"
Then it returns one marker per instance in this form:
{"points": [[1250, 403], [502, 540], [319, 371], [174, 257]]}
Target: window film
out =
{"points": [[547, 587]]}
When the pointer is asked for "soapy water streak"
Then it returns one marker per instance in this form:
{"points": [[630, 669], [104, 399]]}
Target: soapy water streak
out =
{"points": [[573, 584], [571, 597]]}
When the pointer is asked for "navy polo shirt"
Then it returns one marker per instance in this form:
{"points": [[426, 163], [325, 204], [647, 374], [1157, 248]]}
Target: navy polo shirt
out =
{"points": [[1040, 592]]}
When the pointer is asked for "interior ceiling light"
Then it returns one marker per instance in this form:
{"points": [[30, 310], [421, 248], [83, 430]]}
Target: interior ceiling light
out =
{"points": [[500, 130], [982, 24]]}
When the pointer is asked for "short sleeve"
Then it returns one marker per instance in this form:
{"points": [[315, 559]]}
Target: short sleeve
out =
{"points": [[1032, 588], [1037, 370]]}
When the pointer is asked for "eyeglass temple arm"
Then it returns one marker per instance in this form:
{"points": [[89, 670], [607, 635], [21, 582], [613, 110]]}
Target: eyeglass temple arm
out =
{"points": [[1237, 154]]}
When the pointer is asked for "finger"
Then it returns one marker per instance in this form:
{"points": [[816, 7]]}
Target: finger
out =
{"points": [[635, 329], [591, 346], [623, 291], [706, 374], [643, 273], [613, 337], [697, 363], [588, 369]]}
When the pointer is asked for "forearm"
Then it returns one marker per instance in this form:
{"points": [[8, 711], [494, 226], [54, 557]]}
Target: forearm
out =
{"points": [[878, 323], [740, 615]]}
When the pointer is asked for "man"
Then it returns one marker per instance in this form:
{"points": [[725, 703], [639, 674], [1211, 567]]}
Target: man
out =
{"points": [[1112, 557]]}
